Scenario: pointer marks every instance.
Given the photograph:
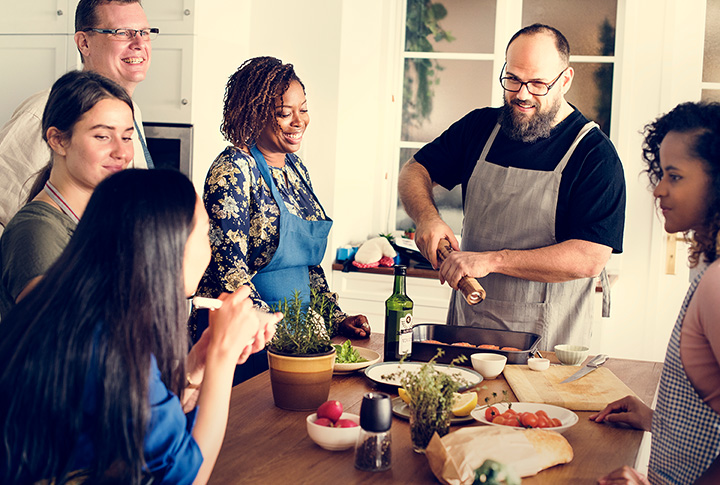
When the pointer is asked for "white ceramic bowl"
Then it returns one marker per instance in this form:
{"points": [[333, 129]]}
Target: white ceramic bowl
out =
{"points": [[487, 364], [333, 439], [571, 354], [538, 364]]}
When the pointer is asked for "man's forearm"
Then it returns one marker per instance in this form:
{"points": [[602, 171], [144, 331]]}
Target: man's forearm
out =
{"points": [[415, 189]]}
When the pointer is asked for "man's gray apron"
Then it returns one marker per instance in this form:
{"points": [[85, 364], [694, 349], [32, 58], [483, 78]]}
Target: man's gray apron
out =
{"points": [[512, 208]]}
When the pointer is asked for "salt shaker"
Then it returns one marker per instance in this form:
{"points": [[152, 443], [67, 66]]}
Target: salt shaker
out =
{"points": [[372, 451]]}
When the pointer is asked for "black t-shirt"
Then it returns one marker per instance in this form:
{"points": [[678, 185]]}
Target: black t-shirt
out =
{"points": [[591, 202]]}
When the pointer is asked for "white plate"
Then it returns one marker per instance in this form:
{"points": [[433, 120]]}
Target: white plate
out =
{"points": [[376, 372], [371, 356], [401, 410], [567, 417]]}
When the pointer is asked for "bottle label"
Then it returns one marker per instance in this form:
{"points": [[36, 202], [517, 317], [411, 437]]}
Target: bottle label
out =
{"points": [[406, 326]]}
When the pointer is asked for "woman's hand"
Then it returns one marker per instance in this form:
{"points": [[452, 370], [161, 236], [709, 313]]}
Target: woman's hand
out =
{"points": [[355, 326], [265, 332], [628, 410], [624, 475]]}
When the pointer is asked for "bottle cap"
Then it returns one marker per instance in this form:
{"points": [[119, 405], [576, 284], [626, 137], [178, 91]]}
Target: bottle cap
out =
{"points": [[376, 412], [400, 269]]}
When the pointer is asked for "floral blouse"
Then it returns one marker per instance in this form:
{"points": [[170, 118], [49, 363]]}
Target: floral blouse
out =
{"points": [[245, 224]]}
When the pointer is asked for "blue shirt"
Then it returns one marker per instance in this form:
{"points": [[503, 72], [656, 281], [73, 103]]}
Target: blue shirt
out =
{"points": [[171, 453]]}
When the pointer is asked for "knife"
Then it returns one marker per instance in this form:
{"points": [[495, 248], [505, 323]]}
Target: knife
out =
{"points": [[589, 367]]}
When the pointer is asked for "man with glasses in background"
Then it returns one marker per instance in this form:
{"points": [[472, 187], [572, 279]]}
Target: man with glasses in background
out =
{"points": [[543, 200], [113, 38]]}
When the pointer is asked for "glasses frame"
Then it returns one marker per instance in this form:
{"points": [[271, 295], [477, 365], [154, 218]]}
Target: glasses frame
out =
{"points": [[145, 34], [549, 85]]}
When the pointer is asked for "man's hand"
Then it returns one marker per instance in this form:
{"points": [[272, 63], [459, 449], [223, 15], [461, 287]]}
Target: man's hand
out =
{"points": [[428, 235], [355, 326], [628, 410], [466, 263]]}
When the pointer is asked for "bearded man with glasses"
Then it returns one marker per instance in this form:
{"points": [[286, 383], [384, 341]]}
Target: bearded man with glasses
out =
{"points": [[543, 200], [113, 38]]}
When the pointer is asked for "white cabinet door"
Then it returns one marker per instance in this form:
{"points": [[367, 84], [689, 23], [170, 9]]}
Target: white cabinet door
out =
{"points": [[32, 63], [165, 94], [37, 17], [171, 16]]}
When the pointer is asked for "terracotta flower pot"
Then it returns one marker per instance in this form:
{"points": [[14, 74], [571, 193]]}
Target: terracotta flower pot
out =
{"points": [[300, 382]]}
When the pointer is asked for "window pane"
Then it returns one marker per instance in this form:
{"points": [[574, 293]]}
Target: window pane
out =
{"points": [[588, 25], [710, 95], [428, 23], [449, 203], [591, 92], [437, 93], [711, 55]]}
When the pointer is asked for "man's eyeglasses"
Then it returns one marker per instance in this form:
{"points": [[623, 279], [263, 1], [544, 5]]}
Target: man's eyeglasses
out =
{"points": [[127, 34], [536, 88]]}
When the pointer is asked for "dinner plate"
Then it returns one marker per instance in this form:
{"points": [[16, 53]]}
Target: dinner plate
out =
{"points": [[371, 356], [401, 410], [566, 417], [376, 372]]}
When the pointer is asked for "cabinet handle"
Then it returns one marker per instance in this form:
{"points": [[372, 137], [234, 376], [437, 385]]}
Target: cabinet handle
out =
{"points": [[184, 101], [187, 12], [60, 13]]}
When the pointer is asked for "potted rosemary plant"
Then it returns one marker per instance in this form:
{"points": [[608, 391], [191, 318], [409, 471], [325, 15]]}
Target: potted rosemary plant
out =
{"points": [[300, 354]]}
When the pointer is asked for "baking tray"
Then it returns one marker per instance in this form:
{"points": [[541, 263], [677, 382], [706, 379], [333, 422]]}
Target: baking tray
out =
{"points": [[449, 334]]}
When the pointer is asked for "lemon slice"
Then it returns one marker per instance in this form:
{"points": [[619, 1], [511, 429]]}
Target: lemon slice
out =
{"points": [[464, 404], [404, 395]]}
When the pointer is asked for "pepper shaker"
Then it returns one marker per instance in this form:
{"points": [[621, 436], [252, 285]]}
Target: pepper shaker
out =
{"points": [[372, 451]]}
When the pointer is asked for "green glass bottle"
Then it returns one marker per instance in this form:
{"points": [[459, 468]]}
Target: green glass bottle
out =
{"points": [[398, 319]]}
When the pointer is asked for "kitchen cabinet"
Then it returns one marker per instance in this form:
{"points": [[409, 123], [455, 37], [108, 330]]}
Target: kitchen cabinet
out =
{"points": [[38, 17], [166, 93], [365, 293], [171, 16]]}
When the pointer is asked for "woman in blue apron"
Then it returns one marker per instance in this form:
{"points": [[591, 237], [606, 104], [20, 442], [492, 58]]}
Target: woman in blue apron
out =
{"points": [[267, 228], [682, 150]]}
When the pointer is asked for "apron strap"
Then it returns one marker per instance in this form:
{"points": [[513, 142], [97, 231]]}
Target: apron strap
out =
{"points": [[581, 134], [605, 285]]}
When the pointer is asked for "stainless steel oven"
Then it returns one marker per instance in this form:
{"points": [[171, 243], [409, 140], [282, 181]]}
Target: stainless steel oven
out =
{"points": [[170, 145]]}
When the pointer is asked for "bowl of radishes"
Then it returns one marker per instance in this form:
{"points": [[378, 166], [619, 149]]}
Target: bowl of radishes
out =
{"points": [[333, 429]]}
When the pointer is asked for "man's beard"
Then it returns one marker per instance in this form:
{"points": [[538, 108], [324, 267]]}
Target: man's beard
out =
{"points": [[528, 129]]}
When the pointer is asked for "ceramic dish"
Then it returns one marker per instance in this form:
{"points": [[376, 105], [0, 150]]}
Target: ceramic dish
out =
{"points": [[376, 372], [567, 417], [371, 356], [401, 410]]}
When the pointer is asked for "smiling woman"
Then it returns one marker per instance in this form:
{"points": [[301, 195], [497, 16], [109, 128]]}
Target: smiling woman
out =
{"points": [[88, 122], [267, 228]]}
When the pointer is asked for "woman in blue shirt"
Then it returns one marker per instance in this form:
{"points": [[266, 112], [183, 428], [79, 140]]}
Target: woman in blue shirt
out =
{"points": [[94, 360]]}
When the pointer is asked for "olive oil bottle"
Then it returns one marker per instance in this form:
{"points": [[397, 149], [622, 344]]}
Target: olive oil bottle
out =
{"points": [[398, 319]]}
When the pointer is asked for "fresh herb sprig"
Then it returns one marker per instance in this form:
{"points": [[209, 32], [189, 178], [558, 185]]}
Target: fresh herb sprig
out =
{"points": [[505, 399], [347, 354]]}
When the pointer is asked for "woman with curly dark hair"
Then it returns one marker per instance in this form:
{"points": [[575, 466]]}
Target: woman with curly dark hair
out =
{"points": [[268, 229], [682, 152]]}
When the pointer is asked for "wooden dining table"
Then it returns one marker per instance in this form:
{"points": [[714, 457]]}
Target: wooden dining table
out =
{"points": [[266, 444]]}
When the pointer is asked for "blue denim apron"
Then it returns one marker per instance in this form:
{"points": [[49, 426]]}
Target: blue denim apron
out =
{"points": [[301, 244]]}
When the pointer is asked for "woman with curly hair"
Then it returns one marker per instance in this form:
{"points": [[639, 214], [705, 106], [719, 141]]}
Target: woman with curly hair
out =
{"points": [[682, 152], [268, 230]]}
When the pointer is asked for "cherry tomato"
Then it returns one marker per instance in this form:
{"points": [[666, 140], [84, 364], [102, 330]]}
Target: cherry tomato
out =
{"points": [[510, 411], [543, 421], [529, 420], [556, 422], [511, 419], [490, 413], [541, 413], [498, 420]]}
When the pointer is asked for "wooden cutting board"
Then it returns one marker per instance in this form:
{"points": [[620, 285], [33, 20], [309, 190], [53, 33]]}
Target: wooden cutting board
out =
{"points": [[589, 393]]}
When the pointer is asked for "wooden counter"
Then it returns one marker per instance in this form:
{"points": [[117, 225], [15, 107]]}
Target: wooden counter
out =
{"points": [[265, 444]]}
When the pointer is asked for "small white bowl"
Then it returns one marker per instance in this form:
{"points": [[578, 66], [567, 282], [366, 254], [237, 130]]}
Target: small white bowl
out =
{"points": [[571, 354], [487, 364], [333, 439], [538, 364]]}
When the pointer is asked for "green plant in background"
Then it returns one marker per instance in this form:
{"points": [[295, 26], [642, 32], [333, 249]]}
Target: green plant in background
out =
{"points": [[604, 77], [423, 21], [304, 329]]}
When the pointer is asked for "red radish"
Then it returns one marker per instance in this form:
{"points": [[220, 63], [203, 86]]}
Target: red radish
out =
{"points": [[345, 423], [324, 422], [331, 410]]}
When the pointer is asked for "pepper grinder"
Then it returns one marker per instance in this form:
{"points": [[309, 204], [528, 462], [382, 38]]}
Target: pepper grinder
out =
{"points": [[372, 451]]}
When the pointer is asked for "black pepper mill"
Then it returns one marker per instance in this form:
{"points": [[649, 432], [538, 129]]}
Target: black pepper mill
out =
{"points": [[372, 451]]}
